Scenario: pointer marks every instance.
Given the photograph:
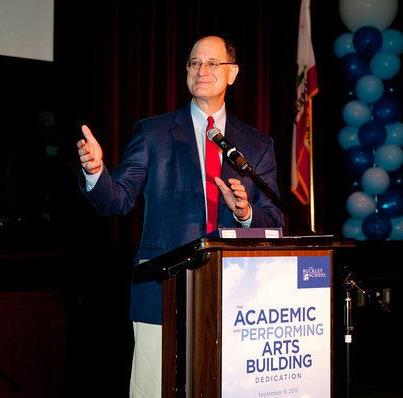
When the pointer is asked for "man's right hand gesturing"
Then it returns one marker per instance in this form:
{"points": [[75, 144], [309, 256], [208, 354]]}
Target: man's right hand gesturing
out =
{"points": [[90, 152]]}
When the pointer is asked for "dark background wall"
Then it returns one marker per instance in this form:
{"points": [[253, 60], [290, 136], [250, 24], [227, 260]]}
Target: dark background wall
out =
{"points": [[115, 62], [120, 61]]}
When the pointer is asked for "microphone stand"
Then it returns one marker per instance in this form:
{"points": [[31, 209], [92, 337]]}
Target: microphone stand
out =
{"points": [[263, 185], [349, 285], [246, 169], [243, 166]]}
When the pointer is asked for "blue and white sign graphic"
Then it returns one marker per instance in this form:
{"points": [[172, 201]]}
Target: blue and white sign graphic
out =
{"points": [[276, 327]]}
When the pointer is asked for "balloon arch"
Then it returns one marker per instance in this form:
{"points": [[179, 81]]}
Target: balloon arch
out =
{"points": [[373, 135]]}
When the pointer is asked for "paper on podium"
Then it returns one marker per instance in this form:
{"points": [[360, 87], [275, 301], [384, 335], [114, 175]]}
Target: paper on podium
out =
{"points": [[252, 233]]}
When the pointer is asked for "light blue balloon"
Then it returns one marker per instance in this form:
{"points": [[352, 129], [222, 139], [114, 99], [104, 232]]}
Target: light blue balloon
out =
{"points": [[394, 134], [356, 113], [369, 88], [359, 205], [352, 229], [392, 41], [384, 64], [375, 181], [358, 13], [397, 229], [344, 44], [389, 157], [348, 137]]}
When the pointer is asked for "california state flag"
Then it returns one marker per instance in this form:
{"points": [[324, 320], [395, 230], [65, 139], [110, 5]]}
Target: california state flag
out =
{"points": [[301, 157]]}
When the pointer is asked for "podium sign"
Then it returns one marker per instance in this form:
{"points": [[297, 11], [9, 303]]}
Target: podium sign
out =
{"points": [[247, 317], [276, 326]]}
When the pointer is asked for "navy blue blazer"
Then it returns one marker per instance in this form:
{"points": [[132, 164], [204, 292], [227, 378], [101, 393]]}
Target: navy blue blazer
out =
{"points": [[162, 163]]}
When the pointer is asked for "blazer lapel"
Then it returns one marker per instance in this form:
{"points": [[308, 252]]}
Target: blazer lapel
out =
{"points": [[188, 154]]}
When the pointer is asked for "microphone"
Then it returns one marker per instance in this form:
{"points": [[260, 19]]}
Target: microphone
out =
{"points": [[228, 149], [241, 163]]}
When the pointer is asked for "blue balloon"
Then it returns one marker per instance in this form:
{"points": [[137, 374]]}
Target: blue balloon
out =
{"points": [[344, 44], [372, 134], [377, 227], [385, 65], [367, 40], [390, 203], [392, 41], [356, 113], [394, 134], [359, 205], [352, 229], [397, 229], [387, 110], [375, 181], [369, 88], [389, 157], [354, 66], [396, 179], [359, 159], [348, 137]]}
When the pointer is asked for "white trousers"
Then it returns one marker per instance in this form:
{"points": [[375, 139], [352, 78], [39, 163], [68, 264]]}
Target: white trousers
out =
{"points": [[146, 375]]}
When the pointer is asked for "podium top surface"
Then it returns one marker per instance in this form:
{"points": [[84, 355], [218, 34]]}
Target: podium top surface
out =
{"points": [[186, 256]]}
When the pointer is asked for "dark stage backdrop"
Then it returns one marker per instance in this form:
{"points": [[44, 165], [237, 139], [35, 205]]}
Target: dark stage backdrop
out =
{"points": [[118, 61]]}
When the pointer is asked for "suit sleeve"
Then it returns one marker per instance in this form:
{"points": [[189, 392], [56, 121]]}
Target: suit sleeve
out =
{"points": [[116, 193]]}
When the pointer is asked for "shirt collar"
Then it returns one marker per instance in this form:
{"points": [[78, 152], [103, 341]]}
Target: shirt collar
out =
{"points": [[200, 117]]}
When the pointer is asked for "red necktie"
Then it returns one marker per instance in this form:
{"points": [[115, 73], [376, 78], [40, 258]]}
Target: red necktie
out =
{"points": [[213, 169]]}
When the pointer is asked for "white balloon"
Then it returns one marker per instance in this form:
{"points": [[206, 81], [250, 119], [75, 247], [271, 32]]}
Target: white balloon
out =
{"points": [[377, 13], [360, 205], [375, 181]]}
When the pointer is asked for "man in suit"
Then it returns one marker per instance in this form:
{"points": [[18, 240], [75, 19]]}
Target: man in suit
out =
{"points": [[165, 162]]}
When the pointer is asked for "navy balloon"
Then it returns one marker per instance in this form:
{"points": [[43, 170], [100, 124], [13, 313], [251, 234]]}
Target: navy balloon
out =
{"points": [[355, 184], [354, 66], [367, 40], [376, 227], [347, 90], [391, 87], [387, 110], [359, 159], [390, 203], [372, 134], [396, 179]]}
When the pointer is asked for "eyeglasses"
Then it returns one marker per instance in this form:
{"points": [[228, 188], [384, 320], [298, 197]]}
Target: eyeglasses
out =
{"points": [[211, 64]]}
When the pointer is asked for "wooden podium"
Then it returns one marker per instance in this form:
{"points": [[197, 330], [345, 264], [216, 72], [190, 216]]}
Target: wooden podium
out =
{"points": [[192, 278]]}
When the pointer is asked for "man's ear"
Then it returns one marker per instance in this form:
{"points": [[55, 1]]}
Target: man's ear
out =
{"points": [[233, 72]]}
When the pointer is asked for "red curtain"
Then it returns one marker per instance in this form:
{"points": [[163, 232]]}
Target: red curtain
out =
{"points": [[139, 55]]}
